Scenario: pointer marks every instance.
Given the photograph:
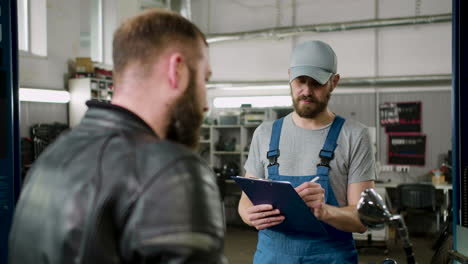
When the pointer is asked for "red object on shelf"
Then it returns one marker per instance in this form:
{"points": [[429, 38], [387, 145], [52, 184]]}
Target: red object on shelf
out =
{"points": [[102, 73]]}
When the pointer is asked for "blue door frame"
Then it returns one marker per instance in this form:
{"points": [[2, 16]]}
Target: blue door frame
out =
{"points": [[10, 163], [460, 126]]}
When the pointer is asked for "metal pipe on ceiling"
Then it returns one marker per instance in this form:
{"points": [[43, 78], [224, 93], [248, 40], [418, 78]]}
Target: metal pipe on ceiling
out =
{"points": [[283, 32], [360, 81], [391, 80], [183, 7]]}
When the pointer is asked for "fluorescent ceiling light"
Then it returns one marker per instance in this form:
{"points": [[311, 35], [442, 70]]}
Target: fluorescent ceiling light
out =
{"points": [[44, 96], [244, 88], [255, 101], [247, 87]]}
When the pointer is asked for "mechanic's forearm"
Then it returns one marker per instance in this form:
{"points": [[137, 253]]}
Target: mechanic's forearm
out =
{"points": [[244, 203], [343, 218]]}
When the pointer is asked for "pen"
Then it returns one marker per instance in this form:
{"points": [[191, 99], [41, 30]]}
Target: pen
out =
{"points": [[315, 179]]}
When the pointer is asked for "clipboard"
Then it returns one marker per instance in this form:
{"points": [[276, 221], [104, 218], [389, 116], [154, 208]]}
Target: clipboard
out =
{"points": [[283, 196]]}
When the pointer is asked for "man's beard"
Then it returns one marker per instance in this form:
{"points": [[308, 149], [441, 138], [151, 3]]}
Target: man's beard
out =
{"points": [[186, 117], [310, 110]]}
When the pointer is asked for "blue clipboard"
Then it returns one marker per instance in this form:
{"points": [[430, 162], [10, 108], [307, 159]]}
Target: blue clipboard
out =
{"points": [[283, 196]]}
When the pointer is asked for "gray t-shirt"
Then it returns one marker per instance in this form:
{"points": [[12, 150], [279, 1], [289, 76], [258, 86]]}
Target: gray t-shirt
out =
{"points": [[299, 154]]}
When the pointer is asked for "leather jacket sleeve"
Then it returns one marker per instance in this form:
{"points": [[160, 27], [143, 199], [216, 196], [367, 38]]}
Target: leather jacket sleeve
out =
{"points": [[193, 234]]}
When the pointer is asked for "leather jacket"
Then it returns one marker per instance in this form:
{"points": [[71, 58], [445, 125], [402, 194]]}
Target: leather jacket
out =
{"points": [[111, 191]]}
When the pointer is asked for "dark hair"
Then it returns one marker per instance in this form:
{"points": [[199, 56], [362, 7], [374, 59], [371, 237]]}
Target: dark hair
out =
{"points": [[142, 39]]}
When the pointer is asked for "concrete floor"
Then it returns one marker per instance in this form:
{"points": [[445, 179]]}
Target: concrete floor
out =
{"points": [[241, 241]]}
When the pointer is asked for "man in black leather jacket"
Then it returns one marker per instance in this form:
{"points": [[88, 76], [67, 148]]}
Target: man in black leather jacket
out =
{"points": [[124, 186]]}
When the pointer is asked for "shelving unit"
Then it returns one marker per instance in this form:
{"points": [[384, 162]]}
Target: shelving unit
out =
{"points": [[84, 89], [226, 146], [237, 152], [205, 143], [222, 144], [226, 152]]}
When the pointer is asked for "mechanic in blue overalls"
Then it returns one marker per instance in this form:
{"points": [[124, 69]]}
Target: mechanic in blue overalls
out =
{"points": [[308, 143]]}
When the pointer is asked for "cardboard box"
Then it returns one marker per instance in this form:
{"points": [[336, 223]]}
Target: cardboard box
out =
{"points": [[84, 64], [438, 180]]}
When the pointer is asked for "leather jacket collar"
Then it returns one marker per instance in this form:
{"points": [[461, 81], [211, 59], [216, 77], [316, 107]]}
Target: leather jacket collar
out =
{"points": [[106, 114]]}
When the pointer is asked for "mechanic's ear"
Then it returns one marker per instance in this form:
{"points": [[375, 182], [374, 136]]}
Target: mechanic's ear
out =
{"points": [[335, 80], [177, 72]]}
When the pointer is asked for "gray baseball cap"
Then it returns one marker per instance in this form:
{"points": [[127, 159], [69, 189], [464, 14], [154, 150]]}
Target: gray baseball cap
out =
{"points": [[315, 59]]}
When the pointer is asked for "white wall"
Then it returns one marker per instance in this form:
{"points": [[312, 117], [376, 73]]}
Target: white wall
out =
{"points": [[407, 50], [51, 72], [63, 28], [65, 20], [126, 9], [424, 49]]}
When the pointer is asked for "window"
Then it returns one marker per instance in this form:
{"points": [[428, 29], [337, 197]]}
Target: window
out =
{"points": [[96, 31], [32, 26], [91, 29], [23, 25]]}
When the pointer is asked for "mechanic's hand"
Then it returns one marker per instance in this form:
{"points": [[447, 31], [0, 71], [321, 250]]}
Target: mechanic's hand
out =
{"points": [[263, 216], [314, 196]]}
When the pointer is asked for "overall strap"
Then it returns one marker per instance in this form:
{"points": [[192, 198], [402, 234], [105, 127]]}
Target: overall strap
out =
{"points": [[274, 152], [328, 149]]}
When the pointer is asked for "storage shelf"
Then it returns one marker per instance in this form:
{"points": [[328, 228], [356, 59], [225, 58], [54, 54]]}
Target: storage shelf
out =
{"points": [[226, 126], [231, 126], [84, 89], [251, 125], [235, 132], [227, 152]]}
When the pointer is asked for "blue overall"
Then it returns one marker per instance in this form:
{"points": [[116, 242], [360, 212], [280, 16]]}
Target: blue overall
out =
{"points": [[293, 247]]}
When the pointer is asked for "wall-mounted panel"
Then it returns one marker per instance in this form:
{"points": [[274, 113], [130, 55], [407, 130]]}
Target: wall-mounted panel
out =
{"points": [[436, 125]]}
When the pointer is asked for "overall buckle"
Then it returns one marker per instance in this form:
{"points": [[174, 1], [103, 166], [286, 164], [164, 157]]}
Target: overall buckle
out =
{"points": [[324, 162], [272, 157]]}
